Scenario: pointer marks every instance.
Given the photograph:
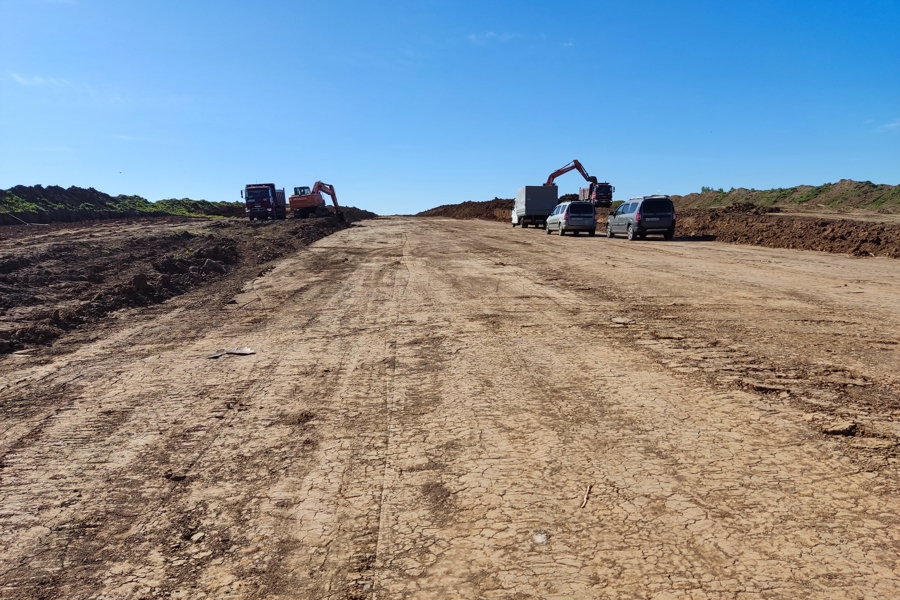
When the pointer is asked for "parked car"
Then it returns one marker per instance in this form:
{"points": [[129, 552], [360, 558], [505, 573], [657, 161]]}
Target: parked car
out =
{"points": [[641, 216], [573, 216]]}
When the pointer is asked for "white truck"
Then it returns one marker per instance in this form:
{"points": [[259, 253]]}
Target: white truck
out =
{"points": [[534, 203]]}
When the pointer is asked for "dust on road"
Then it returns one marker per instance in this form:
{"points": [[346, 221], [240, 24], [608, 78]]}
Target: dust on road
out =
{"points": [[429, 402]]}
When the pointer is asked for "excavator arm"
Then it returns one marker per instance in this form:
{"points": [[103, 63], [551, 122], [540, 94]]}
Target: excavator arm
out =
{"points": [[570, 167], [329, 189]]}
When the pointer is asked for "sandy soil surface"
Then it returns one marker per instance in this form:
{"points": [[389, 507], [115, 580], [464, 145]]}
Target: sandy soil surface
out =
{"points": [[60, 277], [858, 234], [458, 409]]}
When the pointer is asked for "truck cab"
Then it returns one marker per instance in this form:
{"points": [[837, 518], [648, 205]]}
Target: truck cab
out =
{"points": [[601, 194], [264, 201]]}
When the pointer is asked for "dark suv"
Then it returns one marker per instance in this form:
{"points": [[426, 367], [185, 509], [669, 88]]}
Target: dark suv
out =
{"points": [[640, 216]]}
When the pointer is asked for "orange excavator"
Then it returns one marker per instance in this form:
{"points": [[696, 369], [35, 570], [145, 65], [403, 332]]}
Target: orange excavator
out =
{"points": [[599, 193], [307, 202]]}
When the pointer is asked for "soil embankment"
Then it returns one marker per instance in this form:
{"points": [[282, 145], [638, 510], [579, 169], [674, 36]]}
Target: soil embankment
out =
{"points": [[59, 277], [741, 223], [758, 226], [497, 209], [53, 204], [844, 196]]}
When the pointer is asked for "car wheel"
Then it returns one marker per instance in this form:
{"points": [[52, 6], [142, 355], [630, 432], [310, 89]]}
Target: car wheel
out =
{"points": [[609, 231], [669, 234], [561, 231], [592, 232], [630, 233], [524, 224], [548, 232]]}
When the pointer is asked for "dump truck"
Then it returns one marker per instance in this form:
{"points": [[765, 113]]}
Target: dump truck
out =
{"points": [[600, 194], [306, 202], [534, 203], [264, 201]]}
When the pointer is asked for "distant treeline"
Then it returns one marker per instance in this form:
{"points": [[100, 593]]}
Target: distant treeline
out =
{"points": [[37, 204]]}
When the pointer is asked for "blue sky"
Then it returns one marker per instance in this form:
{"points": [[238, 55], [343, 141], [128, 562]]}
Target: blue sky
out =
{"points": [[407, 105]]}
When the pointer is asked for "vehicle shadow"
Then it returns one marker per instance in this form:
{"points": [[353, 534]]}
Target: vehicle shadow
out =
{"points": [[686, 238], [695, 238]]}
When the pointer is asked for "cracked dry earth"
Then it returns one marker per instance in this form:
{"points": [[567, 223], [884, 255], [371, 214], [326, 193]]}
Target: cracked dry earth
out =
{"points": [[429, 402]]}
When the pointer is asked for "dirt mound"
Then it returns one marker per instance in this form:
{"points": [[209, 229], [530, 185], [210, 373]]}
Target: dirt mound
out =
{"points": [[497, 209], [53, 204], [757, 226], [843, 196], [738, 223], [746, 208], [59, 277], [353, 214]]}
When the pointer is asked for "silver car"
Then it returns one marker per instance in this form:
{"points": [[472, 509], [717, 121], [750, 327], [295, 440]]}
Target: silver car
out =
{"points": [[573, 216], [640, 216]]}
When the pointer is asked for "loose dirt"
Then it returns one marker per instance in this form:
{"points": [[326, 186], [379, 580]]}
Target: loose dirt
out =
{"points": [[866, 234], [430, 400], [58, 277]]}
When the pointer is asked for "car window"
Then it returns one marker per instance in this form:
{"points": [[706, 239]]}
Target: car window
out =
{"points": [[632, 206], [581, 208], [657, 207]]}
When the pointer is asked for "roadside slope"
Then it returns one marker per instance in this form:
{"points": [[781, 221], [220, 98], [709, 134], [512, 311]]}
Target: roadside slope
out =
{"points": [[844, 196], [61, 277]]}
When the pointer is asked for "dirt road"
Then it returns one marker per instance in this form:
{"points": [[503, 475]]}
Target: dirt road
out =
{"points": [[429, 402]]}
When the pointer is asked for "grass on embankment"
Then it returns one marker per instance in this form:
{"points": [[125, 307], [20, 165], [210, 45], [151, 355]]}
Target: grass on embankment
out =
{"points": [[37, 204], [845, 195]]}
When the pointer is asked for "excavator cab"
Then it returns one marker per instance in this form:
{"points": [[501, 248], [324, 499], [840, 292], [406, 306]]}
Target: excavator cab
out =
{"points": [[301, 191]]}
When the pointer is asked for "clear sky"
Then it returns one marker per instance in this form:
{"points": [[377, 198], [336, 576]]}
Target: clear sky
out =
{"points": [[405, 105]]}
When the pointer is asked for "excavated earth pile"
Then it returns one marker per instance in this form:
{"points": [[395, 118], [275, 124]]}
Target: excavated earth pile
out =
{"points": [[497, 209], [52, 204], [845, 196], [56, 278], [759, 226], [741, 223]]}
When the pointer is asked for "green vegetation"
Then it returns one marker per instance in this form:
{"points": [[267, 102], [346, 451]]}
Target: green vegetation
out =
{"points": [[812, 193], [55, 203], [192, 208], [10, 203], [844, 195]]}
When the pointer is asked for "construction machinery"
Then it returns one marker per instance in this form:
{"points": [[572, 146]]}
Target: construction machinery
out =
{"points": [[264, 201], [306, 202], [600, 193]]}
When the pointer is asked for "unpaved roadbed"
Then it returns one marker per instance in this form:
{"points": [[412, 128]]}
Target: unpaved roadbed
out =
{"points": [[429, 401], [57, 278], [862, 233]]}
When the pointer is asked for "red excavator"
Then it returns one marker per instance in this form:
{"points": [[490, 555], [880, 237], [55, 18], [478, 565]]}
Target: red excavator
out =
{"points": [[600, 194], [310, 203]]}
